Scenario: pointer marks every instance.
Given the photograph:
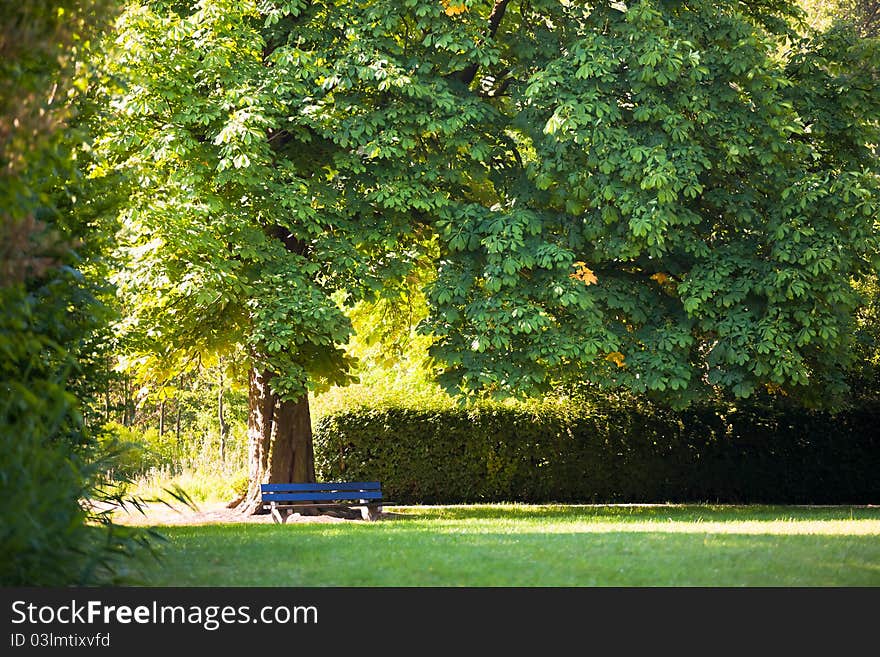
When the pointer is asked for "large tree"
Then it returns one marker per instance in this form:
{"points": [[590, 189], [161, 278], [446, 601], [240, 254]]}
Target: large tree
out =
{"points": [[644, 194], [277, 158]]}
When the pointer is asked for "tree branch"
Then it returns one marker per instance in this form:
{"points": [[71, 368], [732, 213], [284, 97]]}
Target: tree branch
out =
{"points": [[290, 242], [496, 16], [468, 74], [495, 92]]}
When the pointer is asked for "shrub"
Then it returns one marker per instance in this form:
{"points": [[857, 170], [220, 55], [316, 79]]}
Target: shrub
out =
{"points": [[42, 520], [138, 450], [606, 453], [49, 469]]}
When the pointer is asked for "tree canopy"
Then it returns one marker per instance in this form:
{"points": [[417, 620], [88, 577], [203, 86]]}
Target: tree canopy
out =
{"points": [[670, 197]]}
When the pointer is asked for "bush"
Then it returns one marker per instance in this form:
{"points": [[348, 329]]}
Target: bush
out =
{"points": [[49, 470], [606, 453], [43, 523]]}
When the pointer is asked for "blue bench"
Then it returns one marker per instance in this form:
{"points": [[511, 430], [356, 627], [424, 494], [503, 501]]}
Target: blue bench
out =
{"points": [[366, 495]]}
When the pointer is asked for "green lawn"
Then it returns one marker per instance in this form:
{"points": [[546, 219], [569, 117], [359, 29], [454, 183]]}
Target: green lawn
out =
{"points": [[519, 545]]}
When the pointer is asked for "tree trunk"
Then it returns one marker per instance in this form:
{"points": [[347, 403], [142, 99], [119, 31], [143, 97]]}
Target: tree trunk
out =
{"points": [[162, 418], [107, 395], [126, 418], [177, 427], [179, 400], [279, 441], [224, 428]]}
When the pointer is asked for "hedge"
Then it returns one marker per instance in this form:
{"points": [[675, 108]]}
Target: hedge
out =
{"points": [[749, 454]]}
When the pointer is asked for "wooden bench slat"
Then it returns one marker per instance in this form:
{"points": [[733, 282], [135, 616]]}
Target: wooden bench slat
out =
{"points": [[282, 498], [282, 505], [321, 486], [308, 497]]}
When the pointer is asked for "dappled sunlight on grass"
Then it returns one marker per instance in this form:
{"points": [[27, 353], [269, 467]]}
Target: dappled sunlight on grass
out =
{"points": [[780, 527], [554, 545]]}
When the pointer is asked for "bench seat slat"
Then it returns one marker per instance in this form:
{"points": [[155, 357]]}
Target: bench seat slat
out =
{"points": [[321, 486], [282, 505], [308, 497]]}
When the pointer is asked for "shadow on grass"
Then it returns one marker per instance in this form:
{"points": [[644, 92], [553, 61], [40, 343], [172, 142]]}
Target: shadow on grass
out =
{"points": [[628, 512]]}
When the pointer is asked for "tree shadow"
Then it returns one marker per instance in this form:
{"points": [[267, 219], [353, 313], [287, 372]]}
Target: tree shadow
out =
{"points": [[632, 512]]}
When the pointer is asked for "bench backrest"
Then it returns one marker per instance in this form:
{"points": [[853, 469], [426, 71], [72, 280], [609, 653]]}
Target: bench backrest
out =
{"points": [[322, 491]]}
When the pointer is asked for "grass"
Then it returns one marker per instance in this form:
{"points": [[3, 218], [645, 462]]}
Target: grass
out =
{"points": [[520, 545]]}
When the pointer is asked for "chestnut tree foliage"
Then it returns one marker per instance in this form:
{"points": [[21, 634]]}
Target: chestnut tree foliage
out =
{"points": [[710, 171], [673, 197]]}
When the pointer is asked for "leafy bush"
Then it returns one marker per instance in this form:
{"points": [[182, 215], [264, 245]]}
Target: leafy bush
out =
{"points": [[49, 533], [606, 453], [136, 451], [39, 504], [55, 522]]}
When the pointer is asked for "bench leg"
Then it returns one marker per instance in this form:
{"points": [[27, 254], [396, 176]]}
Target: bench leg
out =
{"points": [[276, 515], [371, 511]]}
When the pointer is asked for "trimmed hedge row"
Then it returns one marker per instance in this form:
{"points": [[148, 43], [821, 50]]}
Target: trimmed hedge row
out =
{"points": [[500, 454]]}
